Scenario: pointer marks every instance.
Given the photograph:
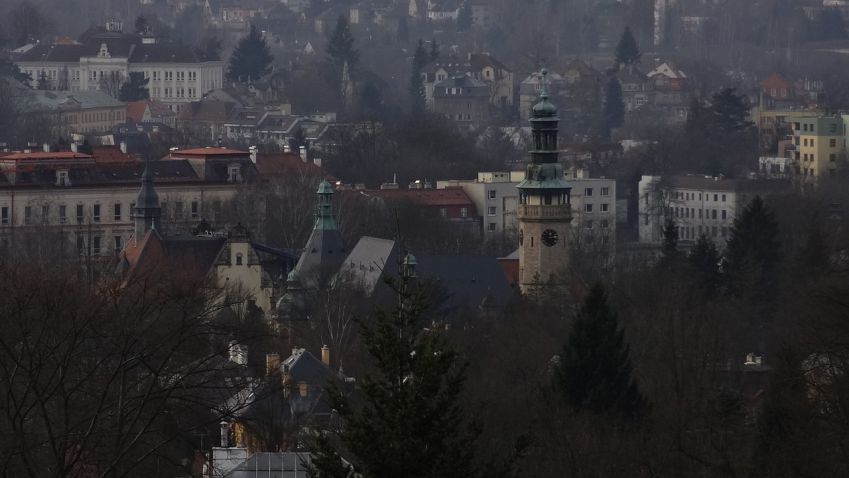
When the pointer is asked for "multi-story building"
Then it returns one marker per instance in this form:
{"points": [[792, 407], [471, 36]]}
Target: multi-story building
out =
{"points": [[76, 111], [463, 100], [819, 144], [480, 66], [89, 198], [496, 199], [103, 58], [699, 205]]}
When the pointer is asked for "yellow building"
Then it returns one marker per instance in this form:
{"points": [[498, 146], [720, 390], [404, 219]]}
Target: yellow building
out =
{"points": [[819, 146], [77, 111]]}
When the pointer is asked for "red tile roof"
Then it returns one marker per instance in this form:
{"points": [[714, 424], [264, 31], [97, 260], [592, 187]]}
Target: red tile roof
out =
{"points": [[110, 154], [43, 155], [775, 81], [280, 164], [208, 151]]}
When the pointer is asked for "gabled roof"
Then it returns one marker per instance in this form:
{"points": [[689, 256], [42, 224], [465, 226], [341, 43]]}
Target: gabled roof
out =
{"points": [[668, 70], [367, 261], [211, 111], [775, 81], [284, 164], [481, 60], [193, 257]]}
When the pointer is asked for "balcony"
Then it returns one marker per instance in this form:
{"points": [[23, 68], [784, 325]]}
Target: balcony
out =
{"points": [[545, 212]]}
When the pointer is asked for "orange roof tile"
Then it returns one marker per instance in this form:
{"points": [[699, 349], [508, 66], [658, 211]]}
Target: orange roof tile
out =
{"points": [[43, 155]]}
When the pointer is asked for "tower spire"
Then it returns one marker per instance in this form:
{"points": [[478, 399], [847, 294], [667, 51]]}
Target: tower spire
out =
{"points": [[147, 211]]}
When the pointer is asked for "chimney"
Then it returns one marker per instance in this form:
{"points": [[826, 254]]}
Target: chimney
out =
{"points": [[272, 364], [325, 355], [123, 147], [287, 148], [304, 154], [225, 434], [253, 151], [317, 162], [74, 147], [46, 147]]}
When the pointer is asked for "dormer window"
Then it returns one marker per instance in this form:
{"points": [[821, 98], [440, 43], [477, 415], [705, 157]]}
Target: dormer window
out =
{"points": [[62, 178], [234, 174], [239, 259]]}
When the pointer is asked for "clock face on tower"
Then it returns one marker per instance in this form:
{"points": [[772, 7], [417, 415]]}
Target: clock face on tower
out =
{"points": [[549, 237]]}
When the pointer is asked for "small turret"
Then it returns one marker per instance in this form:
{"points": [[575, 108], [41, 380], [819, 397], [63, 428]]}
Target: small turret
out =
{"points": [[147, 211]]}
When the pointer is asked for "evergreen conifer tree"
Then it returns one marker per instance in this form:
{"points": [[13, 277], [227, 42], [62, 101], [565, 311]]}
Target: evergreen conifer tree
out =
{"points": [[614, 108], [340, 47], [410, 421], [417, 90], [434, 50], [43, 83], [670, 237], [753, 252], [403, 32], [627, 51], [704, 260], [135, 88], [251, 59], [595, 367], [464, 17]]}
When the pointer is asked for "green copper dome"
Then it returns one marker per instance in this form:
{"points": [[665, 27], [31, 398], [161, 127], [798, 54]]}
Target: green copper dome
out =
{"points": [[544, 108], [325, 188]]}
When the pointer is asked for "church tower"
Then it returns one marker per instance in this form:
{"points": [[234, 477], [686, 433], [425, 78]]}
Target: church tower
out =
{"points": [[324, 252], [545, 212], [147, 211]]}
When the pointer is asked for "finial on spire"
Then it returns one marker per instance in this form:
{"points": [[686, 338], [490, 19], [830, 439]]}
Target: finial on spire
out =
{"points": [[543, 92]]}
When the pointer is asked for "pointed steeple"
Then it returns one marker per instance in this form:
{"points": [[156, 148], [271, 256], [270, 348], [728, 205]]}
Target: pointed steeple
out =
{"points": [[324, 250], [544, 124], [147, 211]]}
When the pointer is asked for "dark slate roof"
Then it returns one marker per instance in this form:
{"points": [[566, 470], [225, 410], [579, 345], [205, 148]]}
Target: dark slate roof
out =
{"points": [[272, 465], [466, 280], [163, 53], [107, 174], [323, 254]]}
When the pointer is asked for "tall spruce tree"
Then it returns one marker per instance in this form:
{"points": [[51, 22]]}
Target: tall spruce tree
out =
{"points": [[627, 51], [409, 420], [614, 107], [595, 367], [251, 59], [135, 88], [464, 17], [341, 45], [704, 261], [753, 252], [670, 238], [434, 50], [417, 89]]}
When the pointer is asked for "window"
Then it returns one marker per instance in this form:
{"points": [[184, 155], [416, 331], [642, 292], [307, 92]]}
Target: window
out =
{"points": [[700, 213], [194, 209], [723, 198], [45, 213], [604, 207], [492, 193], [713, 214], [713, 231], [588, 224], [605, 191], [716, 197], [117, 212], [724, 214], [63, 214], [178, 209], [80, 213], [588, 192], [4, 215], [27, 215], [119, 243], [95, 245], [832, 157], [95, 212], [239, 259], [490, 227], [464, 212], [588, 208], [832, 142], [490, 211], [443, 212], [62, 178], [81, 244], [604, 223]]}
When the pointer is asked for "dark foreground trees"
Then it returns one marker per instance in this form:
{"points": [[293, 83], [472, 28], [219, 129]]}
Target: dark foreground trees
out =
{"points": [[103, 380], [411, 420]]}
